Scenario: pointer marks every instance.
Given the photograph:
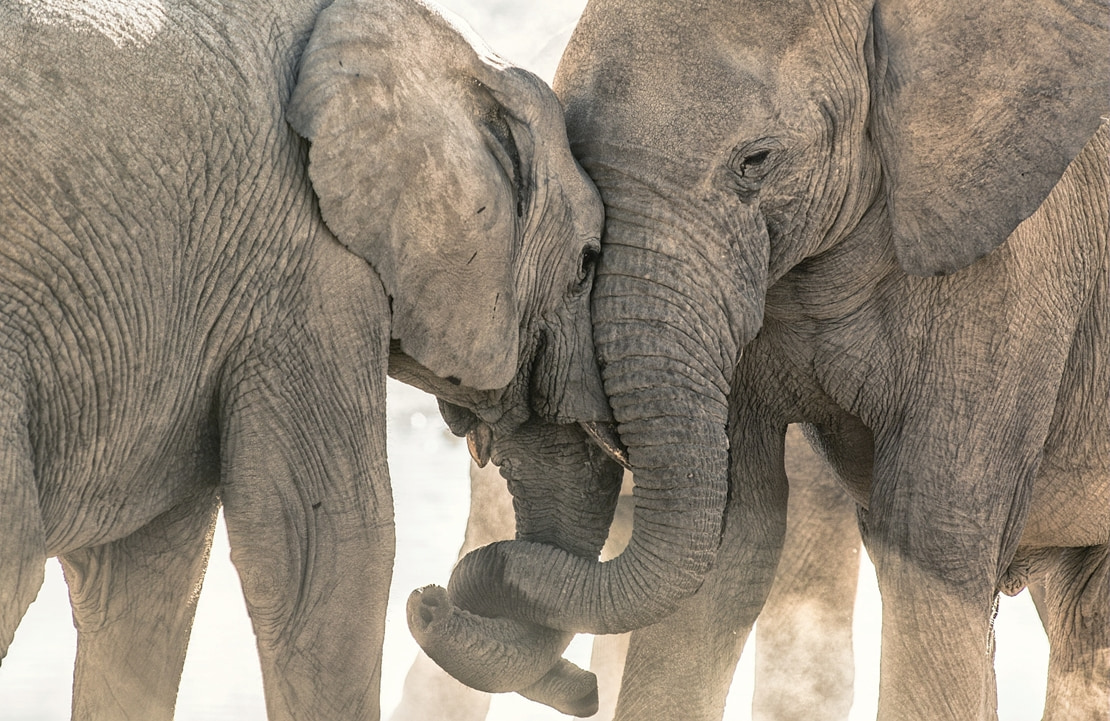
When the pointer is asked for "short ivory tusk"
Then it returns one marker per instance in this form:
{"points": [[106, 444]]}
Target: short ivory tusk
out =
{"points": [[605, 436], [479, 440]]}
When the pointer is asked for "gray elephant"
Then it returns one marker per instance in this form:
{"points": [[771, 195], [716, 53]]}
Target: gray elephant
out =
{"points": [[885, 220], [199, 309], [804, 664]]}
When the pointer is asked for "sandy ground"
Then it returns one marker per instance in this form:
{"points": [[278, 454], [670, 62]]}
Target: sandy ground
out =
{"points": [[429, 470]]}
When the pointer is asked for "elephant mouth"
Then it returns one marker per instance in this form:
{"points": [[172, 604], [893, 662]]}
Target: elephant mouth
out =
{"points": [[479, 441], [606, 438], [479, 435]]}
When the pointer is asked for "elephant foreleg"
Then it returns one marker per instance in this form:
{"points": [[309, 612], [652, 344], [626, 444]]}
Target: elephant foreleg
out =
{"points": [[133, 602], [937, 550], [1077, 603], [306, 491]]}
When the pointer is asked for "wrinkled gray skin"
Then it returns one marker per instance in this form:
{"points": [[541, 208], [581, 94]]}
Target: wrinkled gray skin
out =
{"points": [[198, 309], [801, 204], [804, 665]]}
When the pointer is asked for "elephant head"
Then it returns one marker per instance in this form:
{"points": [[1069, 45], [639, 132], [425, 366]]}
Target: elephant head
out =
{"points": [[448, 171], [730, 144]]}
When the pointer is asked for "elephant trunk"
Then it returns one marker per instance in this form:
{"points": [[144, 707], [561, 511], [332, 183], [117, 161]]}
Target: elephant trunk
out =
{"points": [[565, 491], [668, 392], [499, 655]]}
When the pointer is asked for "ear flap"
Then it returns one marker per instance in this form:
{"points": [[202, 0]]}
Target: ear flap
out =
{"points": [[390, 94], [978, 109]]}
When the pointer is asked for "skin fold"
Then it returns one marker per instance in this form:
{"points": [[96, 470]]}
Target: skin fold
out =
{"points": [[220, 227], [884, 221]]}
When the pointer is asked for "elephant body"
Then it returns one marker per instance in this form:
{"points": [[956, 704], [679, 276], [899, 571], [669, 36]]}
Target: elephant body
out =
{"points": [[1048, 408], [198, 309], [887, 222]]}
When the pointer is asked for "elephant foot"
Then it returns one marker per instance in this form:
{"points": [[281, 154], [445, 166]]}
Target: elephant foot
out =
{"points": [[497, 655]]}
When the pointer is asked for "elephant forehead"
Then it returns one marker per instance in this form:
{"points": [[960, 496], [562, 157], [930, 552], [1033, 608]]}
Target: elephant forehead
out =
{"points": [[731, 88]]}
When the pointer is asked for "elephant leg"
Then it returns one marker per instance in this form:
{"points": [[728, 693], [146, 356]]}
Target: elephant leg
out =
{"points": [[429, 691], [940, 538], [1077, 603], [804, 667], [311, 536], [306, 491], [682, 667], [133, 603], [22, 545]]}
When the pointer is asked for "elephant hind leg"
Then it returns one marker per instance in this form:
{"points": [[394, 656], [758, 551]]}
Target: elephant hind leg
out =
{"points": [[804, 667], [22, 545], [133, 603], [1077, 601]]}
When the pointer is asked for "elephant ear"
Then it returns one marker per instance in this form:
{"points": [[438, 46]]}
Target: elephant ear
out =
{"points": [[409, 160], [978, 109]]}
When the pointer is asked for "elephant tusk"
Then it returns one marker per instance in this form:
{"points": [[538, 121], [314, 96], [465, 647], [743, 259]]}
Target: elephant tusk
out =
{"points": [[479, 440], [605, 436]]}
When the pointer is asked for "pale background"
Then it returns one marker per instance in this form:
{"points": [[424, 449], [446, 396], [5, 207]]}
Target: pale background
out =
{"points": [[430, 486]]}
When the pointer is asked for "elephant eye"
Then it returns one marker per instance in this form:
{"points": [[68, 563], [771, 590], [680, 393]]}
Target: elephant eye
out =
{"points": [[750, 164], [586, 264]]}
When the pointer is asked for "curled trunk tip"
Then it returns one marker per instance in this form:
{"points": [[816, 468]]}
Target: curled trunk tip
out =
{"points": [[497, 655]]}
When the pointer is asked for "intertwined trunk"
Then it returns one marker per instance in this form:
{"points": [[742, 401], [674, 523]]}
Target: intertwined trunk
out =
{"points": [[668, 326]]}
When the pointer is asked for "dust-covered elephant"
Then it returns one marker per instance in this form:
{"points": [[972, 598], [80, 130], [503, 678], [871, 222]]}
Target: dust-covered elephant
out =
{"points": [[886, 220], [221, 224]]}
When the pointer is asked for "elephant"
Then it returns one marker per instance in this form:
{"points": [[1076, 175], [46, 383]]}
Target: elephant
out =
{"points": [[221, 227], [886, 222], [804, 635]]}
